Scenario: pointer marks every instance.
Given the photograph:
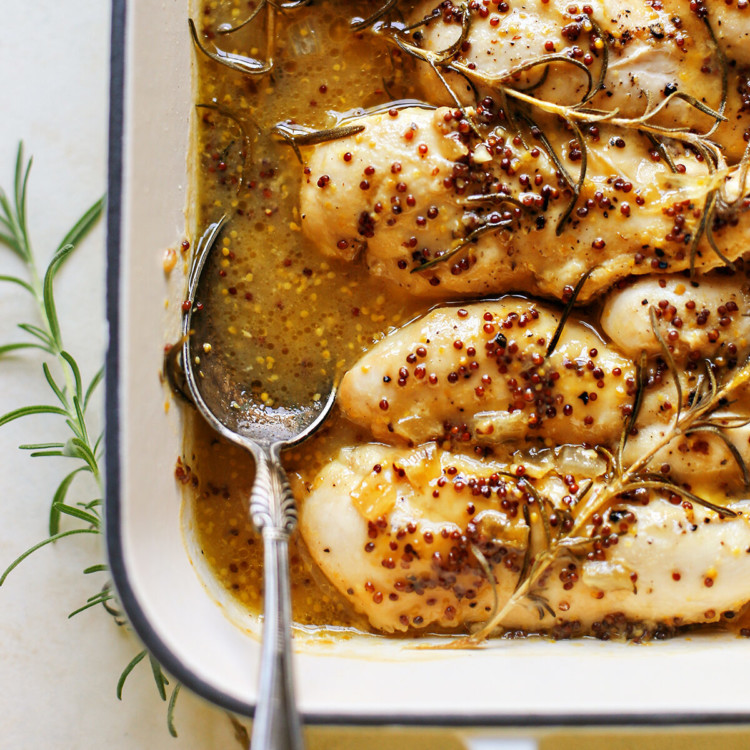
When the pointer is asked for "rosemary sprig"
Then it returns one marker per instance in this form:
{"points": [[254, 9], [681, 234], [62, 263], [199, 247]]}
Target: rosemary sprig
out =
{"points": [[239, 63], [243, 63], [567, 310], [297, 135], [620, 480], [72, 396], [472, 237]]}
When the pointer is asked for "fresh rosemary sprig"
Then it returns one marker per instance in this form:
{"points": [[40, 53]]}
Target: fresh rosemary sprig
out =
{"points": [[67, 386], [72, 398], [239, 63]]}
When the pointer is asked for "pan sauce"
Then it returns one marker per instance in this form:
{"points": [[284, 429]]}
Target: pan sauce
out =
{"points": [[298, 318]]}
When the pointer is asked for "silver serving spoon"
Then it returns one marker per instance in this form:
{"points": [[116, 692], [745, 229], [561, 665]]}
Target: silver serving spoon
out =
{"points": [[230, 408]]}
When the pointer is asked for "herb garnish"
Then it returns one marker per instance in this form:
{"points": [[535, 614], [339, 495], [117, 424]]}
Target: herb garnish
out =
{"points": [[243, 63], [72, 399], [694, 414]]}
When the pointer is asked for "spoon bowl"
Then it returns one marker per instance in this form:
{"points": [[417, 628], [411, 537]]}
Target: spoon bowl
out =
{"points": [[220, 392]]}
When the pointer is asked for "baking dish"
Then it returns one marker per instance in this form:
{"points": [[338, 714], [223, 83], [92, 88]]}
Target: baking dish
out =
{"points": [[173, 604]]}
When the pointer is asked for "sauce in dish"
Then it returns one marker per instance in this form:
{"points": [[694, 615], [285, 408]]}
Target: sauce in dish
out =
{"points": [[513, 233]]}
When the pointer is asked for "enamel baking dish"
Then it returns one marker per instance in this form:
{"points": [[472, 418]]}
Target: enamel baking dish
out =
{"points": [[180, 614]]}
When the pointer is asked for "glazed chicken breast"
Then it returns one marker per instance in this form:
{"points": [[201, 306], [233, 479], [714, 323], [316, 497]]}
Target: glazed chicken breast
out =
{"points": [[480, 373], [410, 537], [652, 51], [443, 214], [706, 320]]}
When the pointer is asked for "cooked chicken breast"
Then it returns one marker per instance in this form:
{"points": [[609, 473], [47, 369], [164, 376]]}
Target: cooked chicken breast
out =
{"points": [[708, 319], [408, 536], [704, 319], [479, 373], [417, 184], [653, 50]]}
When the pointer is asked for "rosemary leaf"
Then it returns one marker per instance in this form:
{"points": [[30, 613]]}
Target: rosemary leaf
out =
{"points": [[84, 225], [92, 387], [96, 569], [669, 359], [568, 309], [243, 134], [159, 677], [523, 575], [581, 178], [9, 348], [132, 664], [15, 280], [70, 510], [724, 66], [54, 386], [48, 294], [92, 602], [462, 244], [59, 499], [170, 710], [297, 136], [38, 333], [669, 487], [27, 411]]}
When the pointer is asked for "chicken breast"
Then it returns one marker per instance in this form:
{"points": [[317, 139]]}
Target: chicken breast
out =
{"points": [[442, 214], [410, 536], [707, 318], [653, 50], [479, 373]]}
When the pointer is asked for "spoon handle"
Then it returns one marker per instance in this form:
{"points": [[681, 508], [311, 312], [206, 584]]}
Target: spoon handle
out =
{"points": [[276, 725]]}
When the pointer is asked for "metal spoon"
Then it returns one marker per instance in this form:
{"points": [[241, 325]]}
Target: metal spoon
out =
{"points": [[229, 407]]}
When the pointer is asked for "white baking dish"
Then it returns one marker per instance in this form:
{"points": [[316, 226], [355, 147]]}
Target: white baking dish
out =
{"points": [[201, 641]]}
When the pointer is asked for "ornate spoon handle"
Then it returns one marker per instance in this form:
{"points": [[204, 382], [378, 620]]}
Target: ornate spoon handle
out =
{"points": [[276, 725]]}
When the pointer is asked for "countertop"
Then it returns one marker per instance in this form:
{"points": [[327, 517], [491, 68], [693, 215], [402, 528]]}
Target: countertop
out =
{"points": [[59, 675]]}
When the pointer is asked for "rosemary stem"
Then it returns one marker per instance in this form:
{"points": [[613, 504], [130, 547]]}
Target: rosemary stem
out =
{"points": [[35, 279], [517, 596], [604, 495]]}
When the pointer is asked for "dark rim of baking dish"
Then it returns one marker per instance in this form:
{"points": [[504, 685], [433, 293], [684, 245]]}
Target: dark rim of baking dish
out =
{"points": [[127, 595]]}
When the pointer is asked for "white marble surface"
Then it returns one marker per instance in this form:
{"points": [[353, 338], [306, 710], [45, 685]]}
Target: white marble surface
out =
{"points": [[59, 676]]}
